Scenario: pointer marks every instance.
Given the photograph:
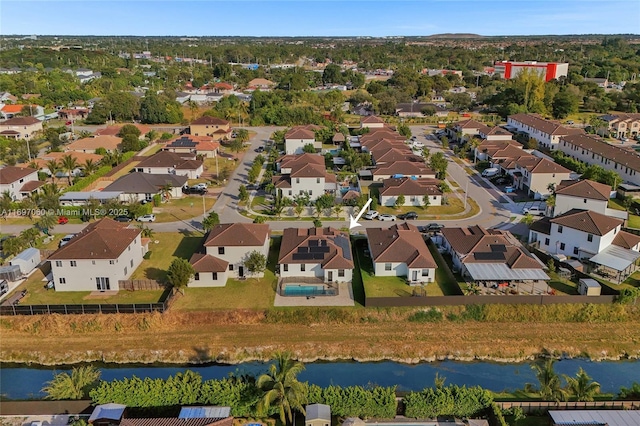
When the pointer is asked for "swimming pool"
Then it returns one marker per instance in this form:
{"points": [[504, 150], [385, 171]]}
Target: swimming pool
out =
{"points": [[307, 290]]}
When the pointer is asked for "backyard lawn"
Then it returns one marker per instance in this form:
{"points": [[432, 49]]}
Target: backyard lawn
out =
{"points": [[183, 209], [455, 206], [163, 248]]}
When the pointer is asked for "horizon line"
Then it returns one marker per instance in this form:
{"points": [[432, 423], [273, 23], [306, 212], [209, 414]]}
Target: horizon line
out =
{"points": [[326, 36]]}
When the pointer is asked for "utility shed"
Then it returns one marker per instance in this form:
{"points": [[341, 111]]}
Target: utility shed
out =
{"points": [[107, 414], [28, 260], [317, 415], [589, 287]]}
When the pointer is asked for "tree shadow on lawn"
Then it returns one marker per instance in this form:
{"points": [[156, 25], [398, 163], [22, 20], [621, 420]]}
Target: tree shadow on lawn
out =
{"points": [[157, 274], [188, 246]]}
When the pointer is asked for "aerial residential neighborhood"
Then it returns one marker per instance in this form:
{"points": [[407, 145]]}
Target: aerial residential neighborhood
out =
{"points": [[359, 230]]}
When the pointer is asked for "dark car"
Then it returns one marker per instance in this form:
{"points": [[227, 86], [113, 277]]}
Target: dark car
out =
{"points": [[432, 227], [122, 219], [194, 190], [260, 149], [252, 187], [408, 216]]}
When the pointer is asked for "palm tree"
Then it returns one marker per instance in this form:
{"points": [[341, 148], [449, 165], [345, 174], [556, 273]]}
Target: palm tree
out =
{"points": [[46, 223], [165, 191], [146, 231], [581, 387], [72, 386], [6, 202], [69, 164], [48, 197], [89, 167], [337, 209], [298, 209], [282, 388], [54, 168], [28, 204], [549, 380]]}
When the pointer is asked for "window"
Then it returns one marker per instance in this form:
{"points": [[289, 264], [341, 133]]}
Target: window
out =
{"points": [[302, 267], [132, 263], [125, 271], [575, 250], [63, 281], [73, 263], [546, 241], [220, 250], [112, 262], [310, 192], [559, 229], [231, 266], [196, 276], [129, 248], [59, 263], [214, 276], [285, 268], [387, 266], [297, 180], [562, 246], [425, 272], [289, 192], [93, 262], [317, 180], [590, 237], [102, 283], [341, 272]]}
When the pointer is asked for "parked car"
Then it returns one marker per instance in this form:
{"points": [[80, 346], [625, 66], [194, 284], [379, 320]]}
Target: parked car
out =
{"points": [[63, 220], [253, 187], [194, 190], [386, 218], [371, 214], [432, 227], [501, 180], [260, 149], [147, 218], [418, 144], [122, 219], [408, 216], [66, 239], [490, 172], [509, 189], [200, 186], [534, 211]]}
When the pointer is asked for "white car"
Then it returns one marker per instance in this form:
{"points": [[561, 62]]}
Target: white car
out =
{"points": [[418, 144], [147, 218], [371, 214], [534, 211], [65, 240], [387, 218], [200, 186]]}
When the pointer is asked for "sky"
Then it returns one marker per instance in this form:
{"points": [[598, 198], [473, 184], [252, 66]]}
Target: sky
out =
{"points": [[374, 18]]}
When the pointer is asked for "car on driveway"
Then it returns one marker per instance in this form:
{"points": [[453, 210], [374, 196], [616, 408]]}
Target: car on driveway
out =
{"points": [[260, 149], [194, 190], [408, 216], [534, 211], [65, 240], [122, 219], [371, 214], [386, 218], [200, 186], [147, 218], [418, 144]]}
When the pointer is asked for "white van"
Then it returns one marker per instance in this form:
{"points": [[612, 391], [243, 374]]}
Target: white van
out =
{"points": [[490, 172]]}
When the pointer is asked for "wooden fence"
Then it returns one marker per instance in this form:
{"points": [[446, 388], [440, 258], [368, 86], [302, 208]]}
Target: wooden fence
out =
{"points": [[473, 299], [44, 408], [544, 406], [140, 285]]}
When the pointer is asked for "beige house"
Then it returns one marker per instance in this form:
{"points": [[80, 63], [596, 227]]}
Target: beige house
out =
{"points": [[586, 195], [535, 175], [305, 173], [233, 242], [166, 162], [372, 122], [20, 128], [413, 190], [104, 253], [217, 128], [299, 136], [89, 145], [411, 169], [621, 125], [400, 251], [210, 271], [193, 145], [261, 83], [19, 182], [322, 253]]}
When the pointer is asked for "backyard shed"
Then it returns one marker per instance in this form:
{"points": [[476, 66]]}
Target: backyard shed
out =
{"points": [[10, 273], [589, 287], [317, 415], [28, 260]]}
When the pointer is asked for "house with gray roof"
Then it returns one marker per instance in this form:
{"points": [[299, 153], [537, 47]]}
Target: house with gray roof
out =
{"points": [[144, 186], [317, 415]]}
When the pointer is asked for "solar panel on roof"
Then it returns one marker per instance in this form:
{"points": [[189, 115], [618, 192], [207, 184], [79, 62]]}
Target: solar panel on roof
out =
{"points": [[318, 256], [313, 243], [489, 256], [319, 249], [323, 242], [498, 247], [300, 256], [343, 243], [303, 249]]}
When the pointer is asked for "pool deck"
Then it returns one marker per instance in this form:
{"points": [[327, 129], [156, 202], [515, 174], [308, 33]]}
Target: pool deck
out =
{"points": [[344, 298]]}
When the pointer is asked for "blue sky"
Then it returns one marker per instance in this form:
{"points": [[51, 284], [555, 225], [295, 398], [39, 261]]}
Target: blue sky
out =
{"points": [[318, 18]]}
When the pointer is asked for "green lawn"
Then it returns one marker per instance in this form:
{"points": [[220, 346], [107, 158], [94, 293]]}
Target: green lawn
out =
{"points": [[634, 221], [183, 208], [170, 245], [562, 285], [446, 282], [455, 206], [253, 293], [153, 150], [614, 203]]}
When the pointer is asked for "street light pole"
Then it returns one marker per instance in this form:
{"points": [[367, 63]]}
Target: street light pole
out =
{"points": [[204, 209], [466, 193]]}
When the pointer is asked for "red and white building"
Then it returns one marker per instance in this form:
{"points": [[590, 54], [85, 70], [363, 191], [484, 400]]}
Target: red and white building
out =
{"points": [[549, 70]]}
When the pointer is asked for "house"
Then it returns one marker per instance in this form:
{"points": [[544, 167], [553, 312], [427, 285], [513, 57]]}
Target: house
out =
{"points": [[338, 139], [413, 190], [595, 417], [305, 174], [323, 253], [116, 415], [317, 415], [169, 162], [114, 130], [298, 137], [546, 132], [368, 145], [495, 133], [10, 111], [491, 255], [371, 122], [107, 414], [401, 251], [382, 133], [467, 128], [216, 128], [622, 125], [548, 70], [386, 155], [144, 186], [537, 176], [73, 113], [97, 258], [80, 157], [27, 260], [261, 84], [600, 82], [415, 109], [488, 148], [91, 144], [8, 97], [229, 245], [591, 149], [19, 182], [224, 88], [412, 169], [584, 194], [193, 145], [20, 128]]}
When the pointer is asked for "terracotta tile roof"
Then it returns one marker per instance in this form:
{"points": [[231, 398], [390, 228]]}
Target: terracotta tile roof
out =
{"points": [[10, 174], [338, 137], [237, 235], [298, 243], [107, 142], [299, 133], [626, 240], [114, 130], [207, 263], [208, 120], [295, 160], [382, 133], [20, 121], [281, 181], [104, 239], [223, 86], [408, 186], [462, 240], [145, 183], [472, 124], [590, 143], [308, 170], [539, 165], [198, 143], [508, 151], [400, 243], [385, 155], [169, 159], [543, 226], [261, 82], [174, 421], [9, 132], [80, 157], [350, 195], [587, 221], [496, 130], [406, 168], [371, 119], [545, 126], [491, 147], [31, 186], [384, 144], [13, 109], [584, 189]]}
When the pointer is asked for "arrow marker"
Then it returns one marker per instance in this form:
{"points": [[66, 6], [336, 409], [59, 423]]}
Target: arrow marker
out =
{"points": [[354, 222]]}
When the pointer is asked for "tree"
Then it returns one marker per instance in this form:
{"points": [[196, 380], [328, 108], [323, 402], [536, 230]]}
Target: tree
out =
{"points": [[551, 265], [400, 200], [242, 135], [152, 109], [548, 379], [69, 164], [445, 142], [146, 231], [309, 148], [236, 145], [46, 223], [426, 152], [72, 386], [210, 221], [131, 143], [281, 388], [298, 208], [438, 162], [179, 273], [129, 129], [581, 387], [425, 201], [337, 209], [564, 103], [404, 130], [243, 194], [429, 110], [89, 167], [255, 262], [54, 167]]}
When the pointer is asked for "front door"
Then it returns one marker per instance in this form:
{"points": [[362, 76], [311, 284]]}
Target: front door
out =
{"points": [[102, 283], [241, 271], [414, 276], [330, 276]]}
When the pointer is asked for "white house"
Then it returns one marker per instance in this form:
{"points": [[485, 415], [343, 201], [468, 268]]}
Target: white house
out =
{"points": [[323, 253], [143, 186], [304, 173], [166, 162], [413, 190], [412, 169], [209, 271], [104, 253], [401, 251], [586, 195], [298, 137], [535, 175], [233, 242], [19, 182], [372, 122], [546, 132]]}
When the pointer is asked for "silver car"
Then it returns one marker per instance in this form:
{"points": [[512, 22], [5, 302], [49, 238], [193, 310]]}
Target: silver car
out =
{"points": [[387, 218]]}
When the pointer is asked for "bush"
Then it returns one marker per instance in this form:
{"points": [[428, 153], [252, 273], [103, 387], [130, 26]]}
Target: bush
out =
{"points": [[457, 401], [432, 315]]}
